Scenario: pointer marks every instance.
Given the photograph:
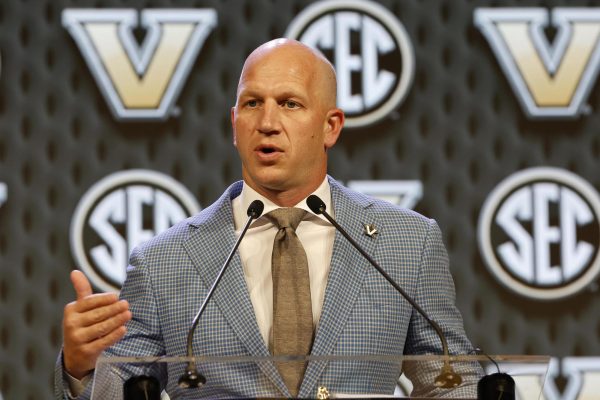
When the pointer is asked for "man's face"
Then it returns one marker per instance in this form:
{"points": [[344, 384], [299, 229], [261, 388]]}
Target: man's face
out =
{"points": [[282, 123]]}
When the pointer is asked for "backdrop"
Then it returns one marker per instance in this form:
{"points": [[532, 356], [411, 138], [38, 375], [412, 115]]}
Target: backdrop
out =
{"points": [[114, 124]]}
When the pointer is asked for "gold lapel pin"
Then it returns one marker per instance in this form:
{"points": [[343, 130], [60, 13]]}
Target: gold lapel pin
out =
{"points": [[370, 230]]}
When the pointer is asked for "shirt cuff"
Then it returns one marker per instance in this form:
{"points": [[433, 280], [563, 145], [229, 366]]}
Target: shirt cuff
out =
{"points": [[76, 386]]}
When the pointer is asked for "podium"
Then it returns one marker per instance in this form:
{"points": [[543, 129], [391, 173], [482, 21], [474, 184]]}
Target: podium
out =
{"points": [[227, 376]]}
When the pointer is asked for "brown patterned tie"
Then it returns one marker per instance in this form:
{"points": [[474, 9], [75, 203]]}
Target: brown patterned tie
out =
{"points": [[292, 309]]}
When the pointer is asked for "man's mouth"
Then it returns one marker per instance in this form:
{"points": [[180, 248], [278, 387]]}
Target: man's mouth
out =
{"points": [[267, 149]]}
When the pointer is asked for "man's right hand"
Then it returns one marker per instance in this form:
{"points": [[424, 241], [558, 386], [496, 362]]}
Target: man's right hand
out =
{"points": [[91, 324]]}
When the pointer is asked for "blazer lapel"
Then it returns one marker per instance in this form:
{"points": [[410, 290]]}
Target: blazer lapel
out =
{"points": [[346, 276], [208, 247]]}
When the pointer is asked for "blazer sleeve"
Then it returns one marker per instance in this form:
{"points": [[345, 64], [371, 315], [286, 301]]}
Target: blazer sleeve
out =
{"points": [[436, 295]]}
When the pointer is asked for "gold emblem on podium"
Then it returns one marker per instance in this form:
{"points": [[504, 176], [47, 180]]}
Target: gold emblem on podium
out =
{"points": [[322, 393]]}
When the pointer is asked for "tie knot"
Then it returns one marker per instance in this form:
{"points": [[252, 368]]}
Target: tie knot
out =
{"points": [[288, 217]]}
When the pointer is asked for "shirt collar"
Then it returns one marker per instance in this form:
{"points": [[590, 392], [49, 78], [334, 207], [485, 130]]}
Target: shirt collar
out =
{"points": [[241, 203]]}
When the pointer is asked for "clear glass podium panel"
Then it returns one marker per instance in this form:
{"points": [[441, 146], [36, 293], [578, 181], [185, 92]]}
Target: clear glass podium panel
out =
{"points": [[228, 377]]}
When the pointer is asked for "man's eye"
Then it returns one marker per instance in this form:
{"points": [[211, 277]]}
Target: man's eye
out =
{"points": [[291, 104], [252, 103]]}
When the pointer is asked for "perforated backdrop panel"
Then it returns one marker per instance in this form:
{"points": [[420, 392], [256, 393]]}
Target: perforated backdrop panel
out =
{"points": [[460, 130]]}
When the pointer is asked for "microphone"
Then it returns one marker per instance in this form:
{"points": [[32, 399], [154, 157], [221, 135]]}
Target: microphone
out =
{"points": [[141, 388], [192, 378], [447, 379], [498, 385]]}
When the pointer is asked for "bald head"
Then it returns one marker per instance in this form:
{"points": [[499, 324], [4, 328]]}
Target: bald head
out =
{"points": [[285, 119], [297, 54]]}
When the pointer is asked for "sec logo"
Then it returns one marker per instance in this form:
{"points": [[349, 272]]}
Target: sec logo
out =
{"points": [[539, 233], [370, 50], [118, 213]]}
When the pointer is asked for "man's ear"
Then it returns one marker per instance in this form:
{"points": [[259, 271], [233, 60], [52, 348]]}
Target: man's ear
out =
{"points": [[333, 126], [233, 125]]}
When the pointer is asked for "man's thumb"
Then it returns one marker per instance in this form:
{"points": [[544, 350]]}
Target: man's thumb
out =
{"points": [[80, 284]]}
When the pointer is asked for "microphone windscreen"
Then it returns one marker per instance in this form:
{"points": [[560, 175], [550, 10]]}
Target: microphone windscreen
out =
{"points": [[496, 386], [255, 209], [141, 388], [315, 204]]}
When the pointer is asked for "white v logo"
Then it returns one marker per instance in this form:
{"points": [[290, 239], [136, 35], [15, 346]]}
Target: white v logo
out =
{"points": [[550, 81], [140, 82]]}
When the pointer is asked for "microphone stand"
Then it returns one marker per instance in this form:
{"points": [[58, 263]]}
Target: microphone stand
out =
{"points": [[448, 378], [192, 377]]}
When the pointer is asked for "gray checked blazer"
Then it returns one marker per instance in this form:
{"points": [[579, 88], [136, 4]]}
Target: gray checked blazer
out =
{"points": [[169, 276]]}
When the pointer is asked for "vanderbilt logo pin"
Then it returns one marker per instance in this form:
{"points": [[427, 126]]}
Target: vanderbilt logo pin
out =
{"points": [[370, 230]]}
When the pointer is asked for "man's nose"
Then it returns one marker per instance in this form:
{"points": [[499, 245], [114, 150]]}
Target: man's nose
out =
{"points": [[269, 122]]}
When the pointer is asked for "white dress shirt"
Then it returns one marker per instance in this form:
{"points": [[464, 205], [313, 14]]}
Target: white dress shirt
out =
{"points": [[316, 235]]}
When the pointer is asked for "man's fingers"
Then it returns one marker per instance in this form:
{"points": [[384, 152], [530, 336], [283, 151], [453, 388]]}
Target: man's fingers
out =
{"points": [[112, 338], [100, 314], [84, 316], [93, 333], [91, 324], [80, 360], [103, 303], [86, 300], [80, 284]]}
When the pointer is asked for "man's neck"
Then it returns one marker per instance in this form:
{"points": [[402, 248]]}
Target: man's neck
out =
{"points": [[286, 198]]}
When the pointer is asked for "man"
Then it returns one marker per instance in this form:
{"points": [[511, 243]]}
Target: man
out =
{"points": [[284, 122]]}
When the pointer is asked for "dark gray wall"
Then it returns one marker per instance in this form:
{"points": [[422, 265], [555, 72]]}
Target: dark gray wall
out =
{"points": [[460, 130]]}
